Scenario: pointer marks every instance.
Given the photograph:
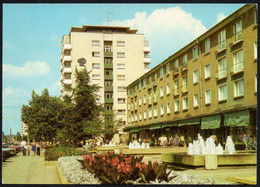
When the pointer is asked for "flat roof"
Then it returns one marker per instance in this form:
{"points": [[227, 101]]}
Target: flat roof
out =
{"points": [[100, 28]]}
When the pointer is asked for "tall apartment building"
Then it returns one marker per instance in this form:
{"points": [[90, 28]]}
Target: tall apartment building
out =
{"points": [[115, 57], [207, 87]]}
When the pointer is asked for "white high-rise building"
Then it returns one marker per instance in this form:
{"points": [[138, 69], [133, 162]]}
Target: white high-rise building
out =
{"points": [[116, 56]]}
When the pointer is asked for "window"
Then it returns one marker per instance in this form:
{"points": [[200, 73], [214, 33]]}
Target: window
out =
{"points": [[67, 75], [140, 116], [238, 62], [161, 72], [146, 66], [161, 92], [184, 84], [196, 100], [207, 45], [132, 118], [239, 88], [176, 87], [95, 42], [144, 97], [67, 64], [121, 111], [108, 48], [168, 69], [108, 83], [121, 66], [255, 18], [121, 100], [195, 53], [108, 61], [168, 89], [140, 101], [176, 66], [146, 55], [129, 119], [184, 61], [144, 83], [96, 54], [150, 79], [144, 114], [207, 96], [109, 95], [135, 116], [222, 40], [255, 50], [155, 111], [150, 112], [121, 77], [139, 85], [120, 55], [207, 71], [255, 82], [150, 97], [168, 108], [96, 77], [185, 103], [222, 68], [128, 106], [155, 76], [176, 106], [95, 65], [162, 110], [195, 76], [237, 31], [222, 92], [120, 43], [155, 95], [121, 88]]}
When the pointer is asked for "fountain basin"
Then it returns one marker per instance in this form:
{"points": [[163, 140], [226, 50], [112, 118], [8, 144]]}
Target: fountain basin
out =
{"points": [[199, 160]]}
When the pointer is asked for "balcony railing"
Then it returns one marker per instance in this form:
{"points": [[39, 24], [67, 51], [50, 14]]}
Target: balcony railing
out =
{"points": [[135, 106], [108, 53], [237, 67], [155, 99], [66, 47], [184, 66], [222, 45], [221, 73], [66, 58], [109, 100], [67, 81], [109, 112], [238, 36], [108, 77], [147, 59], [184, 88], [176, 70], [67, 70], [176, 91], [108, 65], [108, 88]]}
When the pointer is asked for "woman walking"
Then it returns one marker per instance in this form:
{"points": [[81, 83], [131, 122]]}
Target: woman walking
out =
{"points": [[34, 147]]}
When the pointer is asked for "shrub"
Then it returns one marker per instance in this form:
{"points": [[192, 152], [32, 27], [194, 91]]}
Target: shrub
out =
{"points": [[54, 153], [111, 168]]}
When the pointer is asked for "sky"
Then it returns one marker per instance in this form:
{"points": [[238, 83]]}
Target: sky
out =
{"points": [[32, 36]]}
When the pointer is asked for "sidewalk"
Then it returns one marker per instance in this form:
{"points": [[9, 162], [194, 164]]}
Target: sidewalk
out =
{"points": [[28, 170]]}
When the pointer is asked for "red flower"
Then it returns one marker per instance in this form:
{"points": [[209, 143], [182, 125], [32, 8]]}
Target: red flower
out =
{"points": [[85, 157], [138, 165], [119, 168], [144, 165], [127, 160]]}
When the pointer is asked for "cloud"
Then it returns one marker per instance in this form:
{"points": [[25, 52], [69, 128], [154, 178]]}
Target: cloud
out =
{"points": [[15, 96], [220, 17], [7, 45], [54, 89], [162, 27], [30, 69]]}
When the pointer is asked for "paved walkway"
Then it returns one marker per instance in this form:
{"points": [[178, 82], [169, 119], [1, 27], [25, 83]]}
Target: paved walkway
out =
{"points": [[28, 170]]}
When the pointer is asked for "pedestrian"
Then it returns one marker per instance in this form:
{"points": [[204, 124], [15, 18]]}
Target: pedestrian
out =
{"points": [[182, 141], [171, 141], [153, 140], [38, 149], [24, 150], [28, 149], [176, 140], [34, 147], [164, 141]]}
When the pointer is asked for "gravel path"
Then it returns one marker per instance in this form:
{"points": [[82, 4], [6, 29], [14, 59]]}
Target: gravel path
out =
{"points": [[75, 174]]}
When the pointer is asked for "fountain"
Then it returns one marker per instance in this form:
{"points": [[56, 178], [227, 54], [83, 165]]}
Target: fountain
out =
{"points": [[138, 146], [198, 150]]}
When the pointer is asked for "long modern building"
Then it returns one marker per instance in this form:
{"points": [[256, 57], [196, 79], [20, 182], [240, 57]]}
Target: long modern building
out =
{"points": [[115, 57], [207, 87]]}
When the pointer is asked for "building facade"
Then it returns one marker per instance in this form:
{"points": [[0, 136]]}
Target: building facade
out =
{"points": [[207, 87], [114, 56]]}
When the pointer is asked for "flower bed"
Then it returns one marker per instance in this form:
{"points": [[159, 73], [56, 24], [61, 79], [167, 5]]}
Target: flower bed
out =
{"points": [[77, 174]]}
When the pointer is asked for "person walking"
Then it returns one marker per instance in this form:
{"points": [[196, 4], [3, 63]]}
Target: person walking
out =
{"points": [[176, 140], [38, 149], [34, 147], [164, 141], [28, 149], [171, 141], [24, 150], [182, 141]]}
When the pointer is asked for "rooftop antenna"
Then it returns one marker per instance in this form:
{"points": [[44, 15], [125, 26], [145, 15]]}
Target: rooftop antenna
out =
{"points": [[108, 16]]}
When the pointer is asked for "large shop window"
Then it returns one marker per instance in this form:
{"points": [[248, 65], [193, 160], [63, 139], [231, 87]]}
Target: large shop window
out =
{"points": [[194, 121], [210, 122], [134, 130], [236, 119]]}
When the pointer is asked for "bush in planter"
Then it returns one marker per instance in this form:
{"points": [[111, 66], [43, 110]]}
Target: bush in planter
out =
{"points": [[111, 168]]}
